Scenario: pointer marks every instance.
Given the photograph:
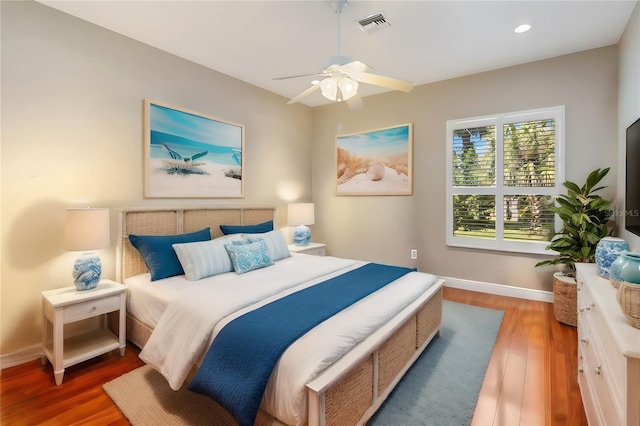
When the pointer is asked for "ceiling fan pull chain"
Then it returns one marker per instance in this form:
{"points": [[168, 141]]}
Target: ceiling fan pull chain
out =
{"points": [[339, 12]]}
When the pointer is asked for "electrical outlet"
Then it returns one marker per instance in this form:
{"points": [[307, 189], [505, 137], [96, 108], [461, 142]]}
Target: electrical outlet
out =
{"points": [[414, 253]]}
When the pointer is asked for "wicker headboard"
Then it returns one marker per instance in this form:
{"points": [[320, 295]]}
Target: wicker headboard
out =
{"points": [[171, 221]]}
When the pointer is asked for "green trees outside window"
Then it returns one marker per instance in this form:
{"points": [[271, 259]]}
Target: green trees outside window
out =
{"points": [[503, 178]]}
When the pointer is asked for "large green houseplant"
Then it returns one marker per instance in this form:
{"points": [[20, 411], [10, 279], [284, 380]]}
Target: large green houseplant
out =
{"points": [[584, 216]]}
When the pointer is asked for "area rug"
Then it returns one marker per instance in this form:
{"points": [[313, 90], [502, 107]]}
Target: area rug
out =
{"points": [[441, 388]]}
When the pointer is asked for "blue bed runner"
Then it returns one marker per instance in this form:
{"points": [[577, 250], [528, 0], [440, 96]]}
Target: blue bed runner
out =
{"points": [[240, 360]]}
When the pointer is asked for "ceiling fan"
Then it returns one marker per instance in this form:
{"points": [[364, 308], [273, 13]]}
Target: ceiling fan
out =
{"points": [[341, 78]]}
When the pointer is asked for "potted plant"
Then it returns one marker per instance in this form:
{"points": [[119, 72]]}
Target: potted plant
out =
{"points": [[584, 217]]}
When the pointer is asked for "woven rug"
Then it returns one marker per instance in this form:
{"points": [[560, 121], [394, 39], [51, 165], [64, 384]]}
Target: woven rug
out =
{"points": [[441, 388]]}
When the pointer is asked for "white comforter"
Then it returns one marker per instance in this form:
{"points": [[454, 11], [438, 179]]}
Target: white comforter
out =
{"points": [[192, 320]]}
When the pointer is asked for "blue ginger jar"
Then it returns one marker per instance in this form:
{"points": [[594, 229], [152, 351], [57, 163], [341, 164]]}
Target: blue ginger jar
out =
{"points": [[607, 251]]}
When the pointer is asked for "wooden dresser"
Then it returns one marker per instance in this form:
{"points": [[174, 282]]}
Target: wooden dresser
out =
{"points": [[608, 353]]}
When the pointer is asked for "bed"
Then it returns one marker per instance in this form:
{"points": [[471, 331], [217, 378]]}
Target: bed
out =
{"points": [[354, 385]]}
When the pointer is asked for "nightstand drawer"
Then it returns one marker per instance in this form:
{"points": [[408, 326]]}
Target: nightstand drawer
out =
{"points": [[314, 251], [91, 308]]}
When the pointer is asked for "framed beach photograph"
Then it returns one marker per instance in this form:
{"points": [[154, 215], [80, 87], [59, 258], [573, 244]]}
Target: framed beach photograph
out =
{"points": [[377, 162], [190, 155]]}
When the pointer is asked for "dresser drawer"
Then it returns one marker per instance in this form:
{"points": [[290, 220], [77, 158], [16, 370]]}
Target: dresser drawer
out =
{"points": [[91, 308], [610, 358], [599, 379], [603, 364]]}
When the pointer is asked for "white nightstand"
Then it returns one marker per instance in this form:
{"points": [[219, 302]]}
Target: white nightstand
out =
{"points": [[65, 305], [316, 249]]}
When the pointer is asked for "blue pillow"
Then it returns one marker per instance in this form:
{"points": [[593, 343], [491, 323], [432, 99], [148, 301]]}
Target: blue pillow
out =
{"points": [[247, 229], [247, 257], [159, 255]]}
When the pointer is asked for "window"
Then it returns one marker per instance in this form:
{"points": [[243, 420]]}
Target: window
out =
{"points": [[502, 174]]}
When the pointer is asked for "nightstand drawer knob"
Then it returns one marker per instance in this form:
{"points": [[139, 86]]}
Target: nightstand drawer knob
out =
{"points": [[93, 308]]}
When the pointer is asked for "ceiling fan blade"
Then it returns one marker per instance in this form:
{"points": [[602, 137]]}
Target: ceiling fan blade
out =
{"points": [[355, 66], [302, 75], [382, 81], [303, 94]]}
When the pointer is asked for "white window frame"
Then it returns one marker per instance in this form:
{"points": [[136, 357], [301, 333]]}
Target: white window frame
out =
{"points": [[499, 120]]}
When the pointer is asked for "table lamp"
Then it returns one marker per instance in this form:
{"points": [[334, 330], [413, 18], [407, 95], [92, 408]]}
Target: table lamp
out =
{"points": [[301, 214], [86, 230]]}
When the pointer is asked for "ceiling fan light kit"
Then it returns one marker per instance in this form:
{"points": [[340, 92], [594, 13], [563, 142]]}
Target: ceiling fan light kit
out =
{"points": [[341, 77], [339, 88]]}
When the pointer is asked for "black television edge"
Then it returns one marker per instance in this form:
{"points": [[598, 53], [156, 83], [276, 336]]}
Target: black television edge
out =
{"points": [[632, 179]]}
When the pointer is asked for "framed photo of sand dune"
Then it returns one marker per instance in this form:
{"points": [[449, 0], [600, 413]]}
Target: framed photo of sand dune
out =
{"points": [[190, 155], [377, 162]]}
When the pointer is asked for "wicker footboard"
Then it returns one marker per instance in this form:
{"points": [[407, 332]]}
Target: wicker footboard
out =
{"points": [[350, 391]]}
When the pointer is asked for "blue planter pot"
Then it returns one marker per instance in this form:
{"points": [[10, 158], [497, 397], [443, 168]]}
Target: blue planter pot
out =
{"points": [[630, 269], [607, 251]]}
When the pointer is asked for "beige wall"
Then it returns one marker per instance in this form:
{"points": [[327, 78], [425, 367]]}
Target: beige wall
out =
{"points": [[72, 120], [384, 229], [628, 105]]}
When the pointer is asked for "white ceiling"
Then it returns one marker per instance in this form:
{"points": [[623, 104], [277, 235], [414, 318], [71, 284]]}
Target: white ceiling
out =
{"points": [[428, 41]]}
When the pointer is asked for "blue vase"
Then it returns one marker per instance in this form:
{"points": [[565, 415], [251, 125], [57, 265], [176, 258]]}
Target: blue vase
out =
{"points": [[607, 251], [615, 269], [630, 269]]}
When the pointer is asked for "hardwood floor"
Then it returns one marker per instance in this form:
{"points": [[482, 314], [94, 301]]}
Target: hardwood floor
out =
{"points": [[532, 375], [530, 380]]}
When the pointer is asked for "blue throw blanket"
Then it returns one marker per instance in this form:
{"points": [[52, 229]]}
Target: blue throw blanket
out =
{"points": [[241, 358]]}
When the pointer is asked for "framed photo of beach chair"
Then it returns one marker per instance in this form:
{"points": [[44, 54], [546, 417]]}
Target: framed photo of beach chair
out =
{"points": [[376, 162], [191, 155]]}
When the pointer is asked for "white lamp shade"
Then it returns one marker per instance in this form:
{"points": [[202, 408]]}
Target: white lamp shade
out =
{"points": [[87, 229], [300, 214]]}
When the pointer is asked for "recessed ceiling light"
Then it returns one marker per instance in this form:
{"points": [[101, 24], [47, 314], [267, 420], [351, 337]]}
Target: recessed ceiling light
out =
{"points": [[314, 82], [522, 28]]}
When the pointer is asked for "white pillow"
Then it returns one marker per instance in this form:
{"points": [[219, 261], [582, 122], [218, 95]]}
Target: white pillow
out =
{"points": [[205, 258], [275, 242]]}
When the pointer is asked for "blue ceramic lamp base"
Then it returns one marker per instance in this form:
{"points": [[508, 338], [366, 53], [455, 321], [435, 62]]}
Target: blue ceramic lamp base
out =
{"points": [[301, 236], [86, 271]]}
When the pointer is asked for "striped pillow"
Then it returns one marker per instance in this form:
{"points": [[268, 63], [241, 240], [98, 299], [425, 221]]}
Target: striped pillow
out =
{"points": [[275, 242], [206, 258]]}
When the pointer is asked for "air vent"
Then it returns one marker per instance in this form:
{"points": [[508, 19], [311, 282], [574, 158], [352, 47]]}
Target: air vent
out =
{"points": [[374, 22]]}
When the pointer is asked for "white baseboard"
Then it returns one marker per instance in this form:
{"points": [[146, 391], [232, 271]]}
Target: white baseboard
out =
{"points": [[499, 289], [21, 356]]}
